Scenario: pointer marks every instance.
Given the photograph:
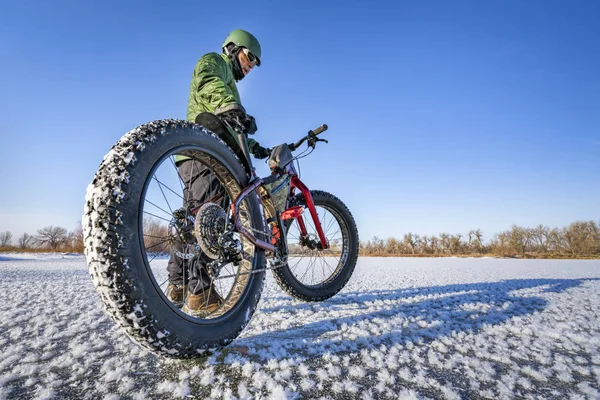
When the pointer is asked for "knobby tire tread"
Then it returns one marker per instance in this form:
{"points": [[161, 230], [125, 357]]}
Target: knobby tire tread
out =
{"points": [[284, 277], [106, 244]]}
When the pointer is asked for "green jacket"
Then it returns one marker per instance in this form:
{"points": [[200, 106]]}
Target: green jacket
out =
{"points": [[213, 89]]}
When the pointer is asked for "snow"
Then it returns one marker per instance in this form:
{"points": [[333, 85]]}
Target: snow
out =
{"points": [[402, 328]]}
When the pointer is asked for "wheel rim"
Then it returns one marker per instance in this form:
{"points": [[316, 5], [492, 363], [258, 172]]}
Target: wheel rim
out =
{"points": [[159, 233], [316, 268]]}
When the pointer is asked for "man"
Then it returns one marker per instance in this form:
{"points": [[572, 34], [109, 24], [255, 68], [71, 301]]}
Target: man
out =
{"points": [[213, 92]]}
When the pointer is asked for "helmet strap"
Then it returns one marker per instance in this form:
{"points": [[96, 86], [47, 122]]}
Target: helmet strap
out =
{"points": [[231, 50]]}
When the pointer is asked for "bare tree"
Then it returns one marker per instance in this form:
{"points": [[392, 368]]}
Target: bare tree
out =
{"points": [[424, 242], [25, 240], [471, 240], [581, 238], [556, 242], [595, 228], [156, 236], [362, 247], [456, 244], [479, 240], [410, 241], [366, 248], [520, 239], [52, 236], [445, 242], [474, 244], [540, 237], [378, 245], [76, 240], [435, 244], [503, 242], [392, 246], [5, 238]]}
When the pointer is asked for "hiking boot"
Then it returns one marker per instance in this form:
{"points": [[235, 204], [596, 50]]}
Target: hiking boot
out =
{"points": [[203, 303], [175, 294]]}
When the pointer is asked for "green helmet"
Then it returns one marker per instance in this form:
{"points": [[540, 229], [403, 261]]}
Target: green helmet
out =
{"points": [[242, 38]]}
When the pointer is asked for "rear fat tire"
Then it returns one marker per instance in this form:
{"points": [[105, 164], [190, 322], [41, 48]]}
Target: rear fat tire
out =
{"points": [[116, 257], [285, 277]]}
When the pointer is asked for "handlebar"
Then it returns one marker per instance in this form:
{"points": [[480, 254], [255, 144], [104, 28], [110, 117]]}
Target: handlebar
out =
{"points": [[320, 129], [311, 137]]}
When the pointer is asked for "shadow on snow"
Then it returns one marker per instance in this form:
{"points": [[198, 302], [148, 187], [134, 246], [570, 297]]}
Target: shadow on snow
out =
{"points": [[404, 315]]}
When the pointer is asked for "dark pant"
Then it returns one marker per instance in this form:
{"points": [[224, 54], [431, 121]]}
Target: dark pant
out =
{"points": [[199, 186]]}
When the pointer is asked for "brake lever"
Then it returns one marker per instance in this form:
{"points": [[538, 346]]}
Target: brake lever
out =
{"points": [[312, 141]]}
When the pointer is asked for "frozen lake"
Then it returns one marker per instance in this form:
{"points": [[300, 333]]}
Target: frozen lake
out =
{"points": [[402, 328]]}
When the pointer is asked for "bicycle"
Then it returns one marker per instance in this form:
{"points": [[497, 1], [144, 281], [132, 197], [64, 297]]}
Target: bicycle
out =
{"points": [[309, 237]]}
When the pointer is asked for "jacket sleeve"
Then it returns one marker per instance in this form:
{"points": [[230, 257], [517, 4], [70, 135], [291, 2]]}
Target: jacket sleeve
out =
{"points": [[211, 90], [251, 144]]}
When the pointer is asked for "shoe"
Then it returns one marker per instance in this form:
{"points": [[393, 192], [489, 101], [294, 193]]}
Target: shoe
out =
{"points": [[175, 294], [203, 303]]}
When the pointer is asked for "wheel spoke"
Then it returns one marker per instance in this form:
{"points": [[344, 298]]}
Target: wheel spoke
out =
{"points": [[318, 266], [172, 159], [200, 180], [152, 236], [332, 269], [164, 282], [310, 267], [329, 226], [157, 244], [331, 252], [160, 184], [156, 255], [156, 216], [323, 221], [335, 233], [323, 267], [160, 208]]}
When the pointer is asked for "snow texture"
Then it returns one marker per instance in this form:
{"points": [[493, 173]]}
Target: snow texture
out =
{"points": [[402, 328]]}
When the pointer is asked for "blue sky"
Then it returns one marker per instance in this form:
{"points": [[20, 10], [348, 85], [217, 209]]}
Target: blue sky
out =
{"points": [[444, 116]]}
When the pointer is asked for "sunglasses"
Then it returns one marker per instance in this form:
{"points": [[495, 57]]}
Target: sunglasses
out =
{"points": [[251, 57]]}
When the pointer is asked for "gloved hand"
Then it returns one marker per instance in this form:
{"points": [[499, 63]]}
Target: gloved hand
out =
{"points": [[250, 125], [261, 152], [239, 121]]}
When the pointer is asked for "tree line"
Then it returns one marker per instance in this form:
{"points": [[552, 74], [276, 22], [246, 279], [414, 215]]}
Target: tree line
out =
{"points": [[52, 238], [58, 239], [579, 239]]}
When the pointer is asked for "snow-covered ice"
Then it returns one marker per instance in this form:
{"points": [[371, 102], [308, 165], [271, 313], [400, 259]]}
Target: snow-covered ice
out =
{"points": [[402, 328]]}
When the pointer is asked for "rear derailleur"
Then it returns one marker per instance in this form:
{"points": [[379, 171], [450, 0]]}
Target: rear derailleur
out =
{"points": [[231, 251]]}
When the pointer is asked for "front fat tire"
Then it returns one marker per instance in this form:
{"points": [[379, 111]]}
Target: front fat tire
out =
{"points": [[286, 279], [116, 257]]}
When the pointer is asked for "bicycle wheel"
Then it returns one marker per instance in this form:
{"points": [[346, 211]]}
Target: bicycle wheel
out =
{"points": [[312, 274], [138, 214]]}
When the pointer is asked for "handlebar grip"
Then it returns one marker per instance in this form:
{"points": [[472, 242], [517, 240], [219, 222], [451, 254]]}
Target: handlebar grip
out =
{"points": [[320, 129]]}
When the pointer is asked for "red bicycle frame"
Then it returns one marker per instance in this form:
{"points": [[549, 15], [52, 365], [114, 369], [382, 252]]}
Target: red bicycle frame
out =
{"points": [[290, 213], [295, 183]]}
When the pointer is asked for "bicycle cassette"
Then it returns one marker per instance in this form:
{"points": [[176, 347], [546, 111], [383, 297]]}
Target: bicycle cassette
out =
{"points": [[209, 226]]}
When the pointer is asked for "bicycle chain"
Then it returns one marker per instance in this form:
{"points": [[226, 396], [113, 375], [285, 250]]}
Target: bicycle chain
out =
{"points": [[251, 272], [292, 202]]}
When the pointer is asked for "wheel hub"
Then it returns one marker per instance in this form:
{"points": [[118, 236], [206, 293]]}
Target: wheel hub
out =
{"points": [[312, 242]]}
